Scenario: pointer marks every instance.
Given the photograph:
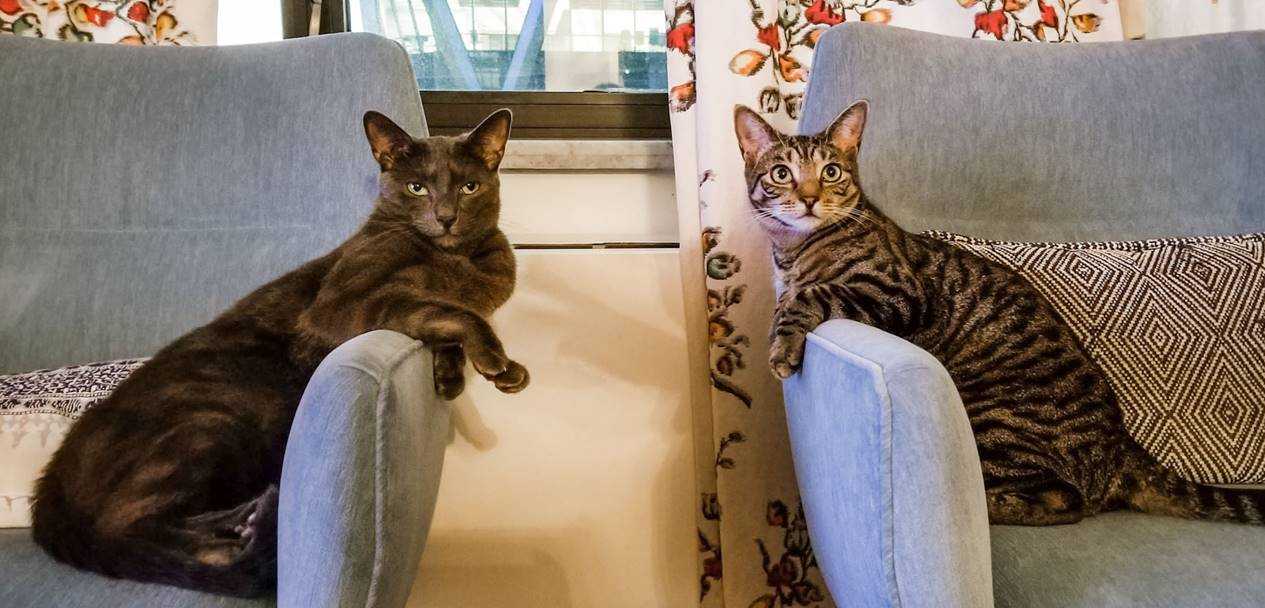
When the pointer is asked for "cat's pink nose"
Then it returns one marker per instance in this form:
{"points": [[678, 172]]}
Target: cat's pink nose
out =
{"points": [[809, 202]]}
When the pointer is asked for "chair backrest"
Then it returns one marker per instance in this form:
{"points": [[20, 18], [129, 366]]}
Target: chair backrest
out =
{"points": [[143, 190], [1117, 140]]}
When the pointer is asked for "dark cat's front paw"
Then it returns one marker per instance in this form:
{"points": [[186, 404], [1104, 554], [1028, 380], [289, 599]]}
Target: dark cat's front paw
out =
{"points": [[450, 373], [513, 379], [450, 387], [785, 355]]}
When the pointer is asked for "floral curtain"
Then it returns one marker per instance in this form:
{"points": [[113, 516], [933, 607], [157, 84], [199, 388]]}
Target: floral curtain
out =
{"points": [[754, 548], [136, 22]]}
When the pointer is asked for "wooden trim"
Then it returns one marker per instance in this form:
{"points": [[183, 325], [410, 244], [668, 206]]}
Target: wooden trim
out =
{"points": [[553, 114]]}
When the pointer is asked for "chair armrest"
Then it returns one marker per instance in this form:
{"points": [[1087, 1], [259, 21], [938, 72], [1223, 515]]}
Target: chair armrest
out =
{"points": [[888, 472], [360, 478]]}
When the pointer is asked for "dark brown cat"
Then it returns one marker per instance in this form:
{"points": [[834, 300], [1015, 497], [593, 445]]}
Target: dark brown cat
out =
{"points": [[172, 479], [1050, 434]]}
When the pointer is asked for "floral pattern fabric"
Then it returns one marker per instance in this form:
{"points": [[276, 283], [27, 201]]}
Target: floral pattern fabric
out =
{"points": [[135, 22], [754, 548]]}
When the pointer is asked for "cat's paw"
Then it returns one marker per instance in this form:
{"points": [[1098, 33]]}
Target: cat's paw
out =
{"points": [[785, 355], [450, 387], [513, 379]]}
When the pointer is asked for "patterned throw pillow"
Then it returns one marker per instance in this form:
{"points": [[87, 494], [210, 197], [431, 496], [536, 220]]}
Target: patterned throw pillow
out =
{"points": [[1178, 327], [168, 22], [36, 410]]}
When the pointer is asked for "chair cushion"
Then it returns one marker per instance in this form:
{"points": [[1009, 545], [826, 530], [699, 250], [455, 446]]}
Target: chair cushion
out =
{"points": [[1178, 328], [36, 410], [31, 579], [1126, 559]]}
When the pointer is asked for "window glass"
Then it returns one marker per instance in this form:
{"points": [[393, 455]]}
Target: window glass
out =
{"points": [[541, 45]]}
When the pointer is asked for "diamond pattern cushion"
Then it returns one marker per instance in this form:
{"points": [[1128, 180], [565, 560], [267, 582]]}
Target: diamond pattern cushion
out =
{"points": [[36, 410], [1178, 327]]}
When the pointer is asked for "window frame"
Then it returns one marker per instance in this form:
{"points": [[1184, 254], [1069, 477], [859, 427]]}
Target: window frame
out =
{"points": [[537, 114]]}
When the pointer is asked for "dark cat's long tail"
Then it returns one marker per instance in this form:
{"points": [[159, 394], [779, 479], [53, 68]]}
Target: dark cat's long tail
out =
{"points": [[230, 552], [1149, 487]]}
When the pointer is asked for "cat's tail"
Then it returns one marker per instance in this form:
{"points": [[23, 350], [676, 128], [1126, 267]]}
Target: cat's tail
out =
{"points": [[230, 552], [1149, 487]]}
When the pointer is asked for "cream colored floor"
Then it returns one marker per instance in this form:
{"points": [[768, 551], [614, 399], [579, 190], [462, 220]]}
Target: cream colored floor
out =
{"points": [[578, 491]]}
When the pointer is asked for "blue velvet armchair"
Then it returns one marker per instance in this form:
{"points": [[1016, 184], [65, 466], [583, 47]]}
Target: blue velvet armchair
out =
{"points": [[142, 191], [1028, 142]]}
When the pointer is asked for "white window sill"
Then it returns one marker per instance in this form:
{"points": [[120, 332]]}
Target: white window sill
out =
{"points": [[587, 155]]}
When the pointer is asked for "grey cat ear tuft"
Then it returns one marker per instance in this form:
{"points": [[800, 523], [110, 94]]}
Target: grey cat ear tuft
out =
{"points": [[487, 141], [387, 140], [754, 134], [845, 132]]}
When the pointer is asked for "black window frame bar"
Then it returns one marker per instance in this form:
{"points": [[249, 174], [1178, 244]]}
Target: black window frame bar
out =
{"points": [[537, 114]]}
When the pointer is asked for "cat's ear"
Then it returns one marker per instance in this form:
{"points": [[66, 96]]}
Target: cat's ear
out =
{"points": [[387, 140], [487, 141], [845, 131], [754, 135]]}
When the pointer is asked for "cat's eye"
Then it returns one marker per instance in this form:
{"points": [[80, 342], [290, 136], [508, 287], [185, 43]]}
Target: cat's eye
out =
{"points": [[416, 189], [831, 173], [780, 174], [470, 187]]}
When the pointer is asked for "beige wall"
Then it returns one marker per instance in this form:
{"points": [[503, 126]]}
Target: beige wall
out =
{"points": [[578, 491]]}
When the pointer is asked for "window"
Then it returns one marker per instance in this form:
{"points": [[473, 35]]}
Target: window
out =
{"points": [[524, 45], [570, 69]]}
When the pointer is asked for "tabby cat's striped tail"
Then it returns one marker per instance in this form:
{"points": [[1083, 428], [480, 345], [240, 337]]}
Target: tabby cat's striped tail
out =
{"points": [[1152, 488]]}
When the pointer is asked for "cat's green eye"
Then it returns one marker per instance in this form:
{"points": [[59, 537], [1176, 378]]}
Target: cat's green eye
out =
{"points": [[416, 189], [831, 173], [780, 174], [470, 187]]}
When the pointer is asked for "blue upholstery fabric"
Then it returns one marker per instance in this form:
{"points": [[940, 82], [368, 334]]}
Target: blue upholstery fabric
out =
{"points": [[361, 476], [888, 473], [143, 190], [1103, 141], [29, 578], [357, 493], [1016, 142], [1127, 560]]}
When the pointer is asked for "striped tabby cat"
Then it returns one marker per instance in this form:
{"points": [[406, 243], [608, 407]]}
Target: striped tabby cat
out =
{"points": [[1050, 434]]}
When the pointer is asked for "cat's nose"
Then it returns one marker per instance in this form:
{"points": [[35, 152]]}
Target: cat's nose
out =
{"points": [[809, 201], [447, 223]]}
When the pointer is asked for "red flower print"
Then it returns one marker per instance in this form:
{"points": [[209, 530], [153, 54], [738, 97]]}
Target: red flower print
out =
{"points": [[820, 13], [992, 22], [140, 12], [768, 35], [9, 7], [95, 16], [792, 70], [1048, 16], [680, 37]]}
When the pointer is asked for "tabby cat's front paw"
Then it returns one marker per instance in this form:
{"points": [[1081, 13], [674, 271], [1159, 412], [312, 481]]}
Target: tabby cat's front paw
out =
{"points": [[513, 379], [785, 354]]}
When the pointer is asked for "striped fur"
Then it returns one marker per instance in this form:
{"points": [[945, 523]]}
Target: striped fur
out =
{"points": [[1049, 431]]}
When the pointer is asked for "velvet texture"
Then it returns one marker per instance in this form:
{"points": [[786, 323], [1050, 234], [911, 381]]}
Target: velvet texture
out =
{"points": [[1124, 140]]}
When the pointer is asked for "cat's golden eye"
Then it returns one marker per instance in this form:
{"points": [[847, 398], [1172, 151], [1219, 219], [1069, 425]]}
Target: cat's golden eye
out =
{"points": [[416, 189], [780, 174], [470, 187], [831, 173]]}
